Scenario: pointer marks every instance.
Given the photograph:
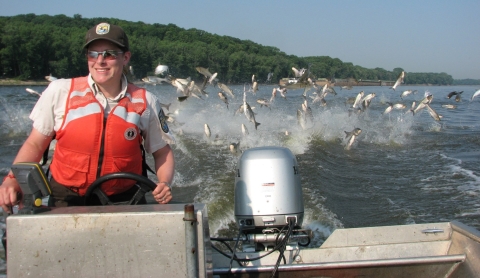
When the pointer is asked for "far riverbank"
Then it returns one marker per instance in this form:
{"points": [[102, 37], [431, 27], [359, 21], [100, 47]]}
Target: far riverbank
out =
{"points": [[14, 82]]}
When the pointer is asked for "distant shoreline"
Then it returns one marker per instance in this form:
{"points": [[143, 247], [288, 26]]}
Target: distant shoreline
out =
{"points": [[13, 82]]}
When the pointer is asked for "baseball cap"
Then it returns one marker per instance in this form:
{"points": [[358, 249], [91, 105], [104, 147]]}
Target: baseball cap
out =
{"points": [[109, 32]]}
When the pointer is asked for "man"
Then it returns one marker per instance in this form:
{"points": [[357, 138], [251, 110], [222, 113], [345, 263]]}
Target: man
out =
{"points": [[99, 122]]}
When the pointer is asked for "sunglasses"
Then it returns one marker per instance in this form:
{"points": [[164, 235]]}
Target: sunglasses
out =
{"points": [[107, 54]]}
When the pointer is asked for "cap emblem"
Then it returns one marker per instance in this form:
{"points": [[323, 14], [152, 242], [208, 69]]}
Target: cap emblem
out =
{"points": [[103, 28]]}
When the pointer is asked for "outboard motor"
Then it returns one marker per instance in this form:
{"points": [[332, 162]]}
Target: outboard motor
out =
{"points": [[268, 196]]}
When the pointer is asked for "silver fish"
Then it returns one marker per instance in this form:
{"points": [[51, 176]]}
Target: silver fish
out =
{"points": [[355, 131], [223, 97], [351, 136], [207, 131], [155, 80], [263, 102], [400, 78], [283, 93], [407, 92], [307, 110], [298, 73], [254, 84], [449, 106], [389, 108], [301, 118], [368, 97], [50, 78], [392, 106], [33, 92], [451, 94], [225, 89], [161, 69], [433, 113], [205, 72], [212, 78], [247, 110], [456, 94], [250, 115], [475, 94], [234, 148], [358, 100], [269, 77], [367, 100]]}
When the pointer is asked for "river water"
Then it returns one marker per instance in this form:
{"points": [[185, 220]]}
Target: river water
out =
{"points": [[402, 168]]}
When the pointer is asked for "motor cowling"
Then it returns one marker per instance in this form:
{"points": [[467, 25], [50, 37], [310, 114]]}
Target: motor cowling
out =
{"points": [[267, 189]]}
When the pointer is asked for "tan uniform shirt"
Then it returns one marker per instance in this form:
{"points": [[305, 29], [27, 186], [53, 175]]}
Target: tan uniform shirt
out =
{"points": [[48, 113]]}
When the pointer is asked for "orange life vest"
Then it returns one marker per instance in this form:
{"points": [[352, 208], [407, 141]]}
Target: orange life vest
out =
{"points": [[89, 146]]}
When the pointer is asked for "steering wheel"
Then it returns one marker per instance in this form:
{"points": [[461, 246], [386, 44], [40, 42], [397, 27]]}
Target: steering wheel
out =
{"points": [[143, 183]]}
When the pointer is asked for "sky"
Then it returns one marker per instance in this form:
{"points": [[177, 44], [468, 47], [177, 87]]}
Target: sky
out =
{"points": [[415, 35]]}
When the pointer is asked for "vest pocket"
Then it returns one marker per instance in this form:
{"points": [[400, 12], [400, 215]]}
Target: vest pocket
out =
{"points": [[74, 167]]}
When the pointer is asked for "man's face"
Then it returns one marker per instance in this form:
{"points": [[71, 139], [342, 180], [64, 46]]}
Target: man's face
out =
{"points": [[107, 71]]}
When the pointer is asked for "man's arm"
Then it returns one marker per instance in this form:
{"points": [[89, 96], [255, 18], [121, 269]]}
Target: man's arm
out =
{"points": [[164, 167], [31, 151]]}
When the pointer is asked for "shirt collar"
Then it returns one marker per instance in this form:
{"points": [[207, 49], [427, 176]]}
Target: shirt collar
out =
{"points": [[94, 87]]}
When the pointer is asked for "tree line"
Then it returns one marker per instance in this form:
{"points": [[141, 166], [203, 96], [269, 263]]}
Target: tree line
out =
{"points": [[33, 46]]}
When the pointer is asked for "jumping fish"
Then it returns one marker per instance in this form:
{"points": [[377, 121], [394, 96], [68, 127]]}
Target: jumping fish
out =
{"points": [[475, 94], [358, 100], [205, 72], [301, 118], [207, 131], [456, 94], [407, 92], [269, 77], [234, 148], [449, 106], [392, 106], [367, 100], [247, 110], [350, 136], [50, 78], [225, 89], [298, 73], [307, 110], [433, 113], [400, 78], [423, 103], [161, 69], [212, 78], [33, 92], [263, 102], [223, 97], [254, 84], [155, 80]]}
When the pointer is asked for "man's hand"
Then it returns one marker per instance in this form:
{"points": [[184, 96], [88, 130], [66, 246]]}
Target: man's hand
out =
{"points": [[10, 194], [162, 193]]}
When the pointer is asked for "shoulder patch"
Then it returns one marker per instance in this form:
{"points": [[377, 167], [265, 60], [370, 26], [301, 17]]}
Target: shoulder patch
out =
{"points": [[163, 121]]}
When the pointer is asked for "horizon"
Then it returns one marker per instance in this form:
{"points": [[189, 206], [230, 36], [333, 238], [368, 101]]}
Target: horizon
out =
{"points": [[425, 36]]}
